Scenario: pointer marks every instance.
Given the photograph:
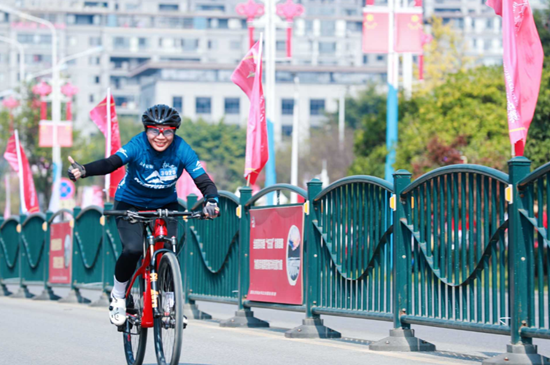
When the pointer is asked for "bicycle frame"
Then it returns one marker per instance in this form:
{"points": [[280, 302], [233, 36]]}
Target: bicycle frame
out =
{"points": [[153, 245]]}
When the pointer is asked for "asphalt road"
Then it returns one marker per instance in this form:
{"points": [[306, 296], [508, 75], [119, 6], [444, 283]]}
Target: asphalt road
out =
{"points": [[52, 333]]}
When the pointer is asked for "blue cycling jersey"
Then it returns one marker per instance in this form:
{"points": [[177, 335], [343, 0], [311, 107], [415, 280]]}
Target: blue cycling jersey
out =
{"points": [[151, 176]]}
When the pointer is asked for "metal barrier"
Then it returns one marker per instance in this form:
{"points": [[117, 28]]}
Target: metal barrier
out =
{"points": [[210, 268], [462, 247]]}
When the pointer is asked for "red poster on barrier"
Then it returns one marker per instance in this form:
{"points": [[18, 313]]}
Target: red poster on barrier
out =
{"points": [[61, 247], [276, 255]]}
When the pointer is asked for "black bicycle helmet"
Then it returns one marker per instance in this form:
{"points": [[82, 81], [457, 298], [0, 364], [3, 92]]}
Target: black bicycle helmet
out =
{"points": [[161, 115]]}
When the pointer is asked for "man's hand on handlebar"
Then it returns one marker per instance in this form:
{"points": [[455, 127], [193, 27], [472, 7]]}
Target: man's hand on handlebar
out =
{"points": [[211, 209]]}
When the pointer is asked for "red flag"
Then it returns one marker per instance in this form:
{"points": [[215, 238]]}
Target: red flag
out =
{"points": [[248, 76], [522, 60], [20, 164], [408, 35], [417, 2], [375, 31], [369, 2], [99, 116]]}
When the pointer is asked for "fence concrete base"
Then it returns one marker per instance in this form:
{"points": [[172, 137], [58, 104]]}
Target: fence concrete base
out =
{"points": [[23, 293], [244, 318], [47, 294], [312, 328], [103, 301], [519, 355], [4, 292], [75, 297], [192, 311], [402, 340]]}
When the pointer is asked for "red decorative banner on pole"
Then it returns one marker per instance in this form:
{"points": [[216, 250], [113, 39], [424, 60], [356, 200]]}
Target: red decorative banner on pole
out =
{"points": [[409, 31], [16, 157], [99, 116], [276, 255], [61, 247], [64, 134], [375, 30], [522, 60], [248, 76]]}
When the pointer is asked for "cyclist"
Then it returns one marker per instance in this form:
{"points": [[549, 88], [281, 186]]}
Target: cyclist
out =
{"points": [[156, 158]]}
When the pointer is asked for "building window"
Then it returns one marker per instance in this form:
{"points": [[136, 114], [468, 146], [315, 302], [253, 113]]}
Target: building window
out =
{"points": [[91, 98], [232, 106], [212, 44], [189, 44], [380, 58], [287, 130], [168, 7], [235, 44], [203, 105], [94, 41], [365, 59], [97, 79], [281, 46], [328, 28], [93, 61], [327, 47], [121, 43], [142, 43], [287, 107], [316, 106], [177, 103]]}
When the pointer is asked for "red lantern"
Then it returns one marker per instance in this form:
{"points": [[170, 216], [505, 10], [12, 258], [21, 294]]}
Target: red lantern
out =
{"points": [[250, 10], [42, 89], [69, 90], [289, 11]]}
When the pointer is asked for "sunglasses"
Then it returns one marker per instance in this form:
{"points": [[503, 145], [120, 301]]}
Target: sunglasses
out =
{"points": [[166, 131]]}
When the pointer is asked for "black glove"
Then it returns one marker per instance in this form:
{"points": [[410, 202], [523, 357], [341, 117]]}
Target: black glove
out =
{"points": [[76, 166], [211, 208]]}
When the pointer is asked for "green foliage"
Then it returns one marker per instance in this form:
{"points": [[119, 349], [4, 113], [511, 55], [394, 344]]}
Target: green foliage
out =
{"points": [[463, 119]]}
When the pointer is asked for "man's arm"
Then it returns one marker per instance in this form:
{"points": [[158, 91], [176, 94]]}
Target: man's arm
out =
{"points": [[104, 166], [206, 186]]}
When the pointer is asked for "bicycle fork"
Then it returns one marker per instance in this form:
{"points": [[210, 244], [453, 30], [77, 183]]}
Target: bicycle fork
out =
{"points": [[153, 277]]}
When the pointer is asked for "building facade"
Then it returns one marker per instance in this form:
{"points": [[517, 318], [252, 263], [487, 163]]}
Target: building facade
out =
{"points": [[183, 52]]}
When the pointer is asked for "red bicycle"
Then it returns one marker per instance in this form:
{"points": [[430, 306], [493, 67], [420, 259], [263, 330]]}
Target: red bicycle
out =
{"points": [[154, 297]]}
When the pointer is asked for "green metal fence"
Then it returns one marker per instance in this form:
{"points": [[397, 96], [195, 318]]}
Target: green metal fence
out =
{"points": [[462, 247]]}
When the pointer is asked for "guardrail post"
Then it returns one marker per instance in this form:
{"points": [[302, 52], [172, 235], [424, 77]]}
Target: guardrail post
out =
{"points": [[74, 293], [107, 271], [521, 349], [312, 326], [4, 292], [244, 317], [190, 308], [23, 291], [401, 337], [47, 293]]}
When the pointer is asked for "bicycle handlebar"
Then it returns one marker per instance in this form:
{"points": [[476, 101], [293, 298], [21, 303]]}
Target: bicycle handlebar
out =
{"points": [[159, 213]]}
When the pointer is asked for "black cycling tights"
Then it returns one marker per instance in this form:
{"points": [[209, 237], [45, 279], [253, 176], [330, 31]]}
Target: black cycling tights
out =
{"points": [[131, 236]]}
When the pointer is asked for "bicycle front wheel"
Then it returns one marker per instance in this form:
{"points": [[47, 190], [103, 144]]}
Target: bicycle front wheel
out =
{"points": [[135, 336], [169, 327]]}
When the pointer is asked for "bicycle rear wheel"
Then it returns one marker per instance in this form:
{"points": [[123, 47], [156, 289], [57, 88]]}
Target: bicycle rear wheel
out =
{"points": [[169, 327], [135, 337]]}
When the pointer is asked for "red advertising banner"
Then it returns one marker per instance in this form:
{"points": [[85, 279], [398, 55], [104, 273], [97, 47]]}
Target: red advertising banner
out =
{"points": [[61, 247], [376, 23], [276, 255], [409, 32], [64, 134]]}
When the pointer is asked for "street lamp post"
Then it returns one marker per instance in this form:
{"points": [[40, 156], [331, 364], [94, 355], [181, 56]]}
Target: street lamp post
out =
{"points": [[56, 102], [21, 57]]}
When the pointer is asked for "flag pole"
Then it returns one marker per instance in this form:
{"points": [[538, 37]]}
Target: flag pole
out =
{"points": [[7, 209], [248, 181], [20, 166], [108, 143], [391, 104]]}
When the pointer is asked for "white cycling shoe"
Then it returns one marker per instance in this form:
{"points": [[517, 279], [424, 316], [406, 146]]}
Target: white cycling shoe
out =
{"points": [[117, 311]]}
